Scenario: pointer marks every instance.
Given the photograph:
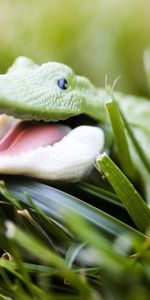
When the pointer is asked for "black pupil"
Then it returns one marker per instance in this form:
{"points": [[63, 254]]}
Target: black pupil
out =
{"points": [[62, 83]]}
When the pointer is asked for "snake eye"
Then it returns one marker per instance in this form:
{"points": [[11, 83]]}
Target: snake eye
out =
{"points": [[62, 83]]}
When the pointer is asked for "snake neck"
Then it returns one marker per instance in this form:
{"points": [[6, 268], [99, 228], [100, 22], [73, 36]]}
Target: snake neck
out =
{"points": [[136, 110], [95, 105]]}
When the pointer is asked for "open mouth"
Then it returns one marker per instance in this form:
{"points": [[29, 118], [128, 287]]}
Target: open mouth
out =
{"points": [[26, 136], [51, 151]]}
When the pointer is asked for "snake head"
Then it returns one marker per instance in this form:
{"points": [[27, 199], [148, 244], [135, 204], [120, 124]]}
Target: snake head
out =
{"points": [[47, 92]]}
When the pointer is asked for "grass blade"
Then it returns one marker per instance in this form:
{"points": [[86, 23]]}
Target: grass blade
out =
{"points": [[36, 247], [131, 199], [146, 60], [73, 252], [99, 193], [120, 138], [137, 146], [106, 255], [55, 202], [9, 196]]}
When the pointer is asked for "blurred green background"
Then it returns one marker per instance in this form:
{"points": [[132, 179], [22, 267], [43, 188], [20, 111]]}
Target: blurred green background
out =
{"points": [[95, 38]]}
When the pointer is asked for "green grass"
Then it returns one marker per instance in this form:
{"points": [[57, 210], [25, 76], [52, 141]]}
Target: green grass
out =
{"points": [[60, 246], [79, 241]]}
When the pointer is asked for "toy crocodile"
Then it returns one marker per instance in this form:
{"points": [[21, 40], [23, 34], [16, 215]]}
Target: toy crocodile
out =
{"points": [[43, 97]]}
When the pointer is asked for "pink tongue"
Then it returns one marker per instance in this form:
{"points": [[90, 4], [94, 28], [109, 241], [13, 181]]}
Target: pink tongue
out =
{"points": [[26, 136]]}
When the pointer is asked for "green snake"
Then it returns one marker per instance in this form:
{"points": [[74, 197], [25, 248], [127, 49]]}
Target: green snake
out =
{"points": [[44, 97]]}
